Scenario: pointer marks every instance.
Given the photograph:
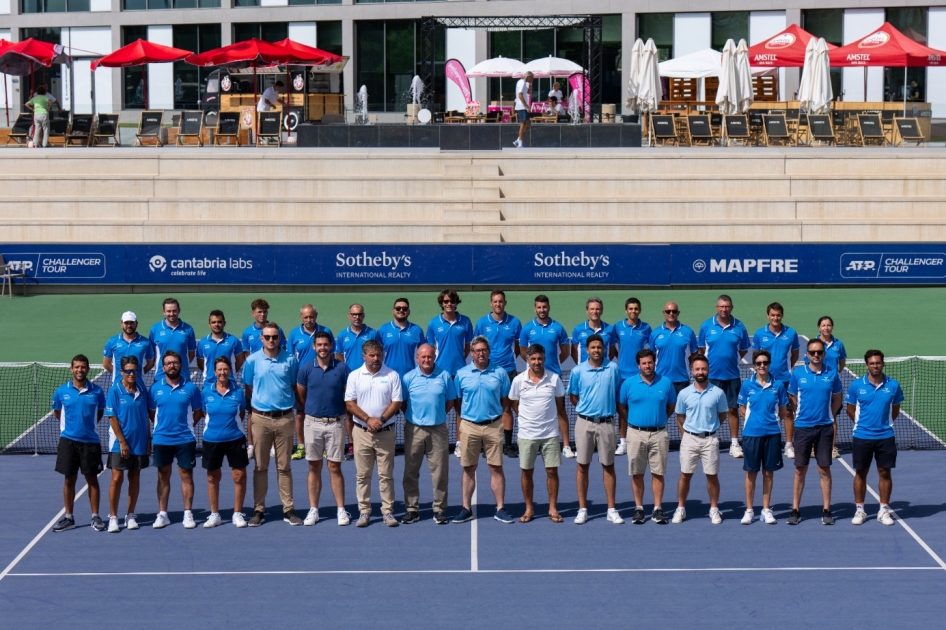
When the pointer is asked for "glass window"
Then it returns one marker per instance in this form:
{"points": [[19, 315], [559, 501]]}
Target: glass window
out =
{"points": [[190, 81], [727, 25], [209, 4], [135, 5], [536, 44], [132, 78], [274, 31], [829, 24], [246, 3], [658, 27], [399, 63], [55, 6], [185, 4], [31, 6], [369, 53], [328, 36], [78, 5], [51, 76], [912, 22], [504, 44]]}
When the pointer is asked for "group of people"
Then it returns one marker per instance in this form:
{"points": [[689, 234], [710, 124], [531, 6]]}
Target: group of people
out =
{"points": [[319, 389]]}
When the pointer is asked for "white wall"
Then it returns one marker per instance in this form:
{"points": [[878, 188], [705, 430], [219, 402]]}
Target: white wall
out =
{"points": [[274, 3], [461, 45], [303, 32], [857, 24], [691, 32], [936, 77], [85, 41], [763, 25], [160, 75], [100, 5], [5, 10]]}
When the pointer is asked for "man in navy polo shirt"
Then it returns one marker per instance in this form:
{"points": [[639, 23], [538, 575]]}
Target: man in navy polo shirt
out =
{"points": [[647, 400], [483, 389], [171, 333], [400, 339], [302, 344], [631, 335], [782, 343], [701, 407], [873, 403], [815, 390], [177, 407], [128, 343], [450, 334], [428, 393], [593, 387], [78, 405], [348, 349], [127, 407], [502, 330], [724, 340], [219, 343], [320, 387], [674, 344], [250, 339]]}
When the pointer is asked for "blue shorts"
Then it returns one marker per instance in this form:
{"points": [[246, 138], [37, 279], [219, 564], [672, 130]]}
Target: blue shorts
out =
{"points": [[185, 454], [821, 437], [762, 453], [884, 451], [730, 387], [522, 115]]}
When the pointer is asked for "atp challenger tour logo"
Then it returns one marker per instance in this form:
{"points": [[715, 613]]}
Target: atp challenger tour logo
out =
{"points": [[363, 265], [196, 266], [898, 265], [564, 265]]}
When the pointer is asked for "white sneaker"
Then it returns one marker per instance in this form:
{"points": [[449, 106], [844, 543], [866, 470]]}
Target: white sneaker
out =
{"points": [[747, 518], [860, 517], [189, 522], [456, 449], [582, 517], [768, 517], [238, 519], [113, 527], [621, 449], [250, 451], [312, 517], [735, 450], [789, 451], [885, 516], [516, 143], [567, 452], [715, 517], [212, 521], [679, 515], [614, 517], [161, 520], [344, 518], [131, 521]]}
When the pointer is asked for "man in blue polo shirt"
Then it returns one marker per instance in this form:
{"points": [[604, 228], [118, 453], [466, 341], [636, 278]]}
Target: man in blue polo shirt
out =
{"points": [[219, 343], [546, 332], [701, 407], [429, 393], [78, 405], [782, 343], [673, 343], [128, 343], [348, 349], [815, 391], [594, 325], [724, 340], [302, 344], [177, 407], [400, 339], [172, 333], [502, 331], [450, 334], [631, 335], [251, 339], [320, 387], [593, 388], [127, 407], [873, 403], [647, 400], [483, 389]]}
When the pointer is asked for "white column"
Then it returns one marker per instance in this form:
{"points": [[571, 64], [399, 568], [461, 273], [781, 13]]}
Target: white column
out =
{"points": [[691, 32], [936, 77], [857, 24], [461, 45], [161, 75], [763, 25], [628, 37], [303, 32]]}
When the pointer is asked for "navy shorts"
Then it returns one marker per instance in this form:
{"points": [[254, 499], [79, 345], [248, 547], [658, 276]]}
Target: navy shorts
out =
{"points": [[730, 387], [72, 456], [522, 115], [185, 454], [821, 437], [234, 451], [883, 451], [133, 462], [762, 452]]}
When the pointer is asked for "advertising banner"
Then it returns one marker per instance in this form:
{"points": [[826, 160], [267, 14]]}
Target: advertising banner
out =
{"points": [[457, 73], [572, 264]]}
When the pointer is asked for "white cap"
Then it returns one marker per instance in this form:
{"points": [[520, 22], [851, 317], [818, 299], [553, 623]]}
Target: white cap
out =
{"points": [[129, 316]]}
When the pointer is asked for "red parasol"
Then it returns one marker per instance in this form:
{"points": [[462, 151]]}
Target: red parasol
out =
{"points": [[886, 47], [139, 53], [785, 50], [21, 58]]}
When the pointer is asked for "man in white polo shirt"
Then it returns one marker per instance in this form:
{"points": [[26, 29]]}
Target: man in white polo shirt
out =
{"points": [[373, 398], [538, 398]]}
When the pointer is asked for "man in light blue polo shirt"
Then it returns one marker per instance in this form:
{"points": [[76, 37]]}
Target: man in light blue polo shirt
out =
{"points": [[400, 339], [302, 345], [593, 388], [172, 333], [815, 391], [782, 343], [178, 407], [219, 343], [502, 330], [348, 349], [483, 389], [250, 339], [674, 343], [450, 334], [429, 393], [78, 405], [546, 332], [128, 343], [631, 335], [701, 407], [873, 403], [647, 400], [724, 340]]}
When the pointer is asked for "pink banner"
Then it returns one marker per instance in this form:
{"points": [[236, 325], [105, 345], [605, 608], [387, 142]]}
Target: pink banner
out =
{"points": [[579, 83], [457, 73]]}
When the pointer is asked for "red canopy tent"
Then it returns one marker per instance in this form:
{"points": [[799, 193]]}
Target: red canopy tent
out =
{"points": [[139, 53], [304, 55], [785, 50], [21, 58]]}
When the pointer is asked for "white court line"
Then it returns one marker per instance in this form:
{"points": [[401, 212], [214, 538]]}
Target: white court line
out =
{"points": [[900, 521], [474, 538]]}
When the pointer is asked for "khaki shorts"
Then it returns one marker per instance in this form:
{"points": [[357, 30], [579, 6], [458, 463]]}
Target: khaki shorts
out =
{"points": [[324, 437], [588, 435], [695, 449], [486, 437], [647, 447], [530, 449]]}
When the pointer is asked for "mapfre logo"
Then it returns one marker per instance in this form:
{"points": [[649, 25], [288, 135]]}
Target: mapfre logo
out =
{"points": [[158, 263], [874, 41], [782, 41], [861, 265]]}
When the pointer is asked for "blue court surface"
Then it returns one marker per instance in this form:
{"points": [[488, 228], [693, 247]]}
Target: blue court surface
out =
{"points": [[539, 574]]}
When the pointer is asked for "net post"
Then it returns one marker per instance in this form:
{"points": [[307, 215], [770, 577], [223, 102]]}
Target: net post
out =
{"points": [[35, 411], [916, 366]]}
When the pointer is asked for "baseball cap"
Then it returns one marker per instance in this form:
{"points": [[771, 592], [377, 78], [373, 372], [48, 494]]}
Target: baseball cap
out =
{"points": [[129, 316]]}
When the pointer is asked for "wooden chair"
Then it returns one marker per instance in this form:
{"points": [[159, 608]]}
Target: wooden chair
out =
{"points": [[453, 116], [80, 131], [190, 127], [149, 128], [737, 129], [871, 130], [756, 134], [58, 126], [908, 130], [8, 274], [20, 132], [106, 131], [775, 130], [228, 127], [663, 129], [699, 130], [269, 127], [887, 117], [820, 130]]}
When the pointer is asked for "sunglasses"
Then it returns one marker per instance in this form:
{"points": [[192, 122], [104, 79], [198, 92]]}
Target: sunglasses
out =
{"points": [[270, 337], [671, 311], [816, 353], [448, 302], [129, 371], [357, 314], [401, 308], [763, 362], [170, 363]]}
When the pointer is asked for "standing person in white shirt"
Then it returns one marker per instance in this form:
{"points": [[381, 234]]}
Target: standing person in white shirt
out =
{"points": [[556, 91], [523, 101], [269, 98]]}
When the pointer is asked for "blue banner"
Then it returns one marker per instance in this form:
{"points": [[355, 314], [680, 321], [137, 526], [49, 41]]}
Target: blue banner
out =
{"points": [[199, 264], [745, 264], [504, 265], [374, 264], [68, 264]]}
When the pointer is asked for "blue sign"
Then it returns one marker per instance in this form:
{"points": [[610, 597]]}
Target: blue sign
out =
{"points": [[908, 263], [67, 264], [503, 265], [374, 264], [745, 264], [199, 264]]}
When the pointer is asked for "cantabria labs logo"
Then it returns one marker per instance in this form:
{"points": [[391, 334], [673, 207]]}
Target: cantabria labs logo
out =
{"points": [[158, 263]]}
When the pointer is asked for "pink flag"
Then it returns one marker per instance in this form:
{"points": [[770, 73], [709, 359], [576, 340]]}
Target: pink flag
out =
{"points": [[579, 83], [457, 73]]}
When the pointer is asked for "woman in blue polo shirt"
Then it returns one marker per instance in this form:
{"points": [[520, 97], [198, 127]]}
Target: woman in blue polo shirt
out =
{"points": [[225, 406], [835, 357], [763, 402]]}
